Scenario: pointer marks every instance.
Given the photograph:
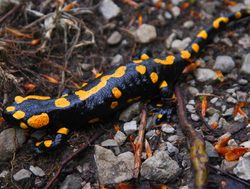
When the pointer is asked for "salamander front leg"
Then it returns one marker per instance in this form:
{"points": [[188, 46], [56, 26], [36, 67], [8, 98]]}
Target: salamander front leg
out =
{"points": [[49, 144]]}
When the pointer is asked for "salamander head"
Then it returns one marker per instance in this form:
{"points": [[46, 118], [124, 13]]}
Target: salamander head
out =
{"points": [[31, 111]]}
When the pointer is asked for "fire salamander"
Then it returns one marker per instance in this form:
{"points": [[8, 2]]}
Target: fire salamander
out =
{"points": [[142, 78]]}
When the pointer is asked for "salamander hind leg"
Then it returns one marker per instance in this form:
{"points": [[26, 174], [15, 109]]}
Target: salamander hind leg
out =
{"points": [[50, 144]]}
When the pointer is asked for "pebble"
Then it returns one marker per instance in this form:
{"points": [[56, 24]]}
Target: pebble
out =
{"points": [[211, 111], [176, 2], [195, 117], [228, 165], [171, 148], [72, 182], [190, 108], [109, 143], [145, 33], [87, 186], [245, 41], [117, 60], [205, 75], [114, 38], [150, 134], [120, 137], [113, 169], [213, 100], [223, 123], [210, 150], [231, 100], [191, 102], [227, 41], [167, 15], [130, 112], [242, 170], [173, 139], [245, 68], [229, 112], [193, 91], [208, 89], [224, 63], [130, 127], [166, 128], [170, 39], [10, 140], [22, 174], [4, 173], [180, 44], [37, 171], [242, 81], [109, 9], [188, 24], [246, 144], [214, 118], [239, 118], [232, 142], [236, 7], [176, 11], [241, 96]]}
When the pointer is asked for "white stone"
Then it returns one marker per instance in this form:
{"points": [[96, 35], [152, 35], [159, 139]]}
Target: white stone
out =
{"points": [[22, 174], [37, 171], [242, 170], [109, 9], [205, 74], [145, 33], [130, 127]]}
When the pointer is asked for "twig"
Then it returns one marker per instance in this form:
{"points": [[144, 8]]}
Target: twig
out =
{"points": [[14, 9], [139, 143], [71, 157], [198, 154]]}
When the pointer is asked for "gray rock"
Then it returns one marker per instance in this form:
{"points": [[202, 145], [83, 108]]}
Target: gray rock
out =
{"points": [[171, 148], [109, 9], [170, 39], [204, 74], [117, 60], [246, 144], [180, 44], [167, 15], [10, 140], [130, 127], [145, 33], [174, 139], [213, 100], [210, 150], [214, 118], [237, 7], [228, 165], [188, 24], [223, 123], [241, 96], [22, 174], [160, 168], [224, 64], [211, 111], [191, 102], [176, 2], [87, 186], [190, 108], [229, 112], [195, 117], [113, 169], [239, 118], [245, 41], [208, 89], [242, 81], [242, 170], [150, 134], [37, 171], [4, 173], [114, 38], [120, 137], [166, 128], [245, 68], [193, 91], [231, 100], [109, 143], [176, 11], [130, 112], [72, 182]]}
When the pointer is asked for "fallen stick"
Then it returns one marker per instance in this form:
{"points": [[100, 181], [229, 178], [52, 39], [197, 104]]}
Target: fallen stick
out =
{"points": [[198, 154]]}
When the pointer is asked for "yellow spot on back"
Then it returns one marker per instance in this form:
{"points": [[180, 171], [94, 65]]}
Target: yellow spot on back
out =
{"points": [[61, 103], [137, 61], [163, 84], [195, 47], [48, 143], [94, 120], [23, 125], [63, 131], [238, 15], [103, 81], [98, 75], [116, 92], [216, 23], [144, 57], [141, 69], [19, 99], [10, 108], [168, 61], [38, 121], [19, 114], [202, 34], [185, 54], [154, 77], [114, 104], [84, 84]]}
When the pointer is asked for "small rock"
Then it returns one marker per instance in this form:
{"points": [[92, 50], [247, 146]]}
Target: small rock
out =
{"points": [[213, 100], [150, 134], [170, 39], [239, 118], [242, 170], [4, 173], [245, 68], [176, 11], [174, 139], [72, 182], [190, 108], [205, 74], [195, 117], [160, 168], [114, 38], [109, 9], [214, 118], [176, 2], [191, 102], [228, 165], [229, 112], [245, 144], [10, 140], [193, 91], [130, 127], [171, 148], [224, 64], [87, 186], [22, 174], [145, 33], [208, 89], [120, 137], [223, 123], [130, 112], [117, 60], [245, 41], [241, 96], [232, 142], [113, 169], [231, 100], [167, 129], [167, 15], [180, 44], [211, 111], [37, 171], [243, 81], [210, 150], [184, 187], [188, 24], [227, 41], [109, 143]]}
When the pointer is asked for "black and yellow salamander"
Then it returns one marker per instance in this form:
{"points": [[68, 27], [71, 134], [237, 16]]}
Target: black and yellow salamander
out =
{"points": [[142, 78]]}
